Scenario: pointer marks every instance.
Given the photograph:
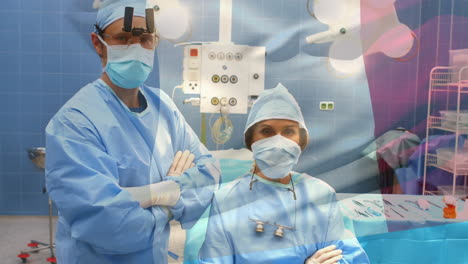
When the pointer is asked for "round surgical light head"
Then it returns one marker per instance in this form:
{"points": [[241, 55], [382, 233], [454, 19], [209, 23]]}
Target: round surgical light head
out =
{"points": [[330, 11], [346, 67], [396, 42], [172, 19], [346, 55]]}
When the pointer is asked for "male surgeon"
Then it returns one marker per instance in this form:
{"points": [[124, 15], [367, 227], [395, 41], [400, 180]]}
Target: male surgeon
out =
{"points": [[114, 166]]}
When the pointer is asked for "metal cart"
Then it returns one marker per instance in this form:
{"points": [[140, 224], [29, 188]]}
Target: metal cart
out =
{"points": [[37, 156], [450, 84]]}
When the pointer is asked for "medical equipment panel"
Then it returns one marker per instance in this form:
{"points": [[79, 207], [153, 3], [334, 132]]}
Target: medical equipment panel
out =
{"points": [[224, 74]]}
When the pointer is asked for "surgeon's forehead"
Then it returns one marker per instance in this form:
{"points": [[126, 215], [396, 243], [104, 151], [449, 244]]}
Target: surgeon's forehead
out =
{"points": [[278, 123], [117, 26]]}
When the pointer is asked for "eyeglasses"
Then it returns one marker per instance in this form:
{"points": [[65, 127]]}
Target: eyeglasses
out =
{"points": [[146, 40]]}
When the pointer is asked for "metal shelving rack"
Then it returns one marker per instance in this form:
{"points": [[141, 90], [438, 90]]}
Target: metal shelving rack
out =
{"points": [[446, 80]]}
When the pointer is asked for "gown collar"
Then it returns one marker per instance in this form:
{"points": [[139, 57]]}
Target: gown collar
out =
{"points": [[296, 177], [101, 83]]}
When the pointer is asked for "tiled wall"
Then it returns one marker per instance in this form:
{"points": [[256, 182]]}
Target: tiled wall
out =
{"points": [[45, 57]]}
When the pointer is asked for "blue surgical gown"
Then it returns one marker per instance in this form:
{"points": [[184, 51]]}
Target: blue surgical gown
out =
{"points": [[315, 217], [96, 146]]}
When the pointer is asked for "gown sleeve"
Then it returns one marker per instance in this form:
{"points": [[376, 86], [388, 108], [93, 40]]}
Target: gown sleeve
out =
{"points": [[342, 238], [216, 248], [82, 180], [197, 184]]}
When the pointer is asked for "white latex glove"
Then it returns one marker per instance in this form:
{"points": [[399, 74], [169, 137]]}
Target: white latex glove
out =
{"points": [[165, 193], [181, 162], [327, 255]]}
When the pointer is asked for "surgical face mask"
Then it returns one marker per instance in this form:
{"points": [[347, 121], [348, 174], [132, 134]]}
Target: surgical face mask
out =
{"points": [[276, 156], [128, 66]]}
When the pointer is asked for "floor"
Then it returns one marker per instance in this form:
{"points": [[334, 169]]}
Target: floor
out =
{"points": [[17, 231]]}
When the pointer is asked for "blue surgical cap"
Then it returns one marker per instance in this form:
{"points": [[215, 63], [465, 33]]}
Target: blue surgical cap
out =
{"points": [[276, 103], [113, 10]]}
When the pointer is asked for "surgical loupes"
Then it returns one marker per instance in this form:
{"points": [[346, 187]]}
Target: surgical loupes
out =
{"points": [[128, 22], [260, 227], [279, 232]]}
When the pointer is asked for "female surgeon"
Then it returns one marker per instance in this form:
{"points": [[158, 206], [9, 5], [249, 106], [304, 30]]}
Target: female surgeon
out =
{"points": [[273, 214]]}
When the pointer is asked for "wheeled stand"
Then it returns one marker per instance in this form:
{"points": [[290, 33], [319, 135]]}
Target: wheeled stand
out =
{"points": [[37, 155]]}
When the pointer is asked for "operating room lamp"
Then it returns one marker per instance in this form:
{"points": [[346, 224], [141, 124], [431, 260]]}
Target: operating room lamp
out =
{"points": [[358, 28], [172, 19]]}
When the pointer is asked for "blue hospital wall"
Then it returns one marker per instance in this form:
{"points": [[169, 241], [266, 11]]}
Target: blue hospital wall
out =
{"points": [[46, 56]]}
